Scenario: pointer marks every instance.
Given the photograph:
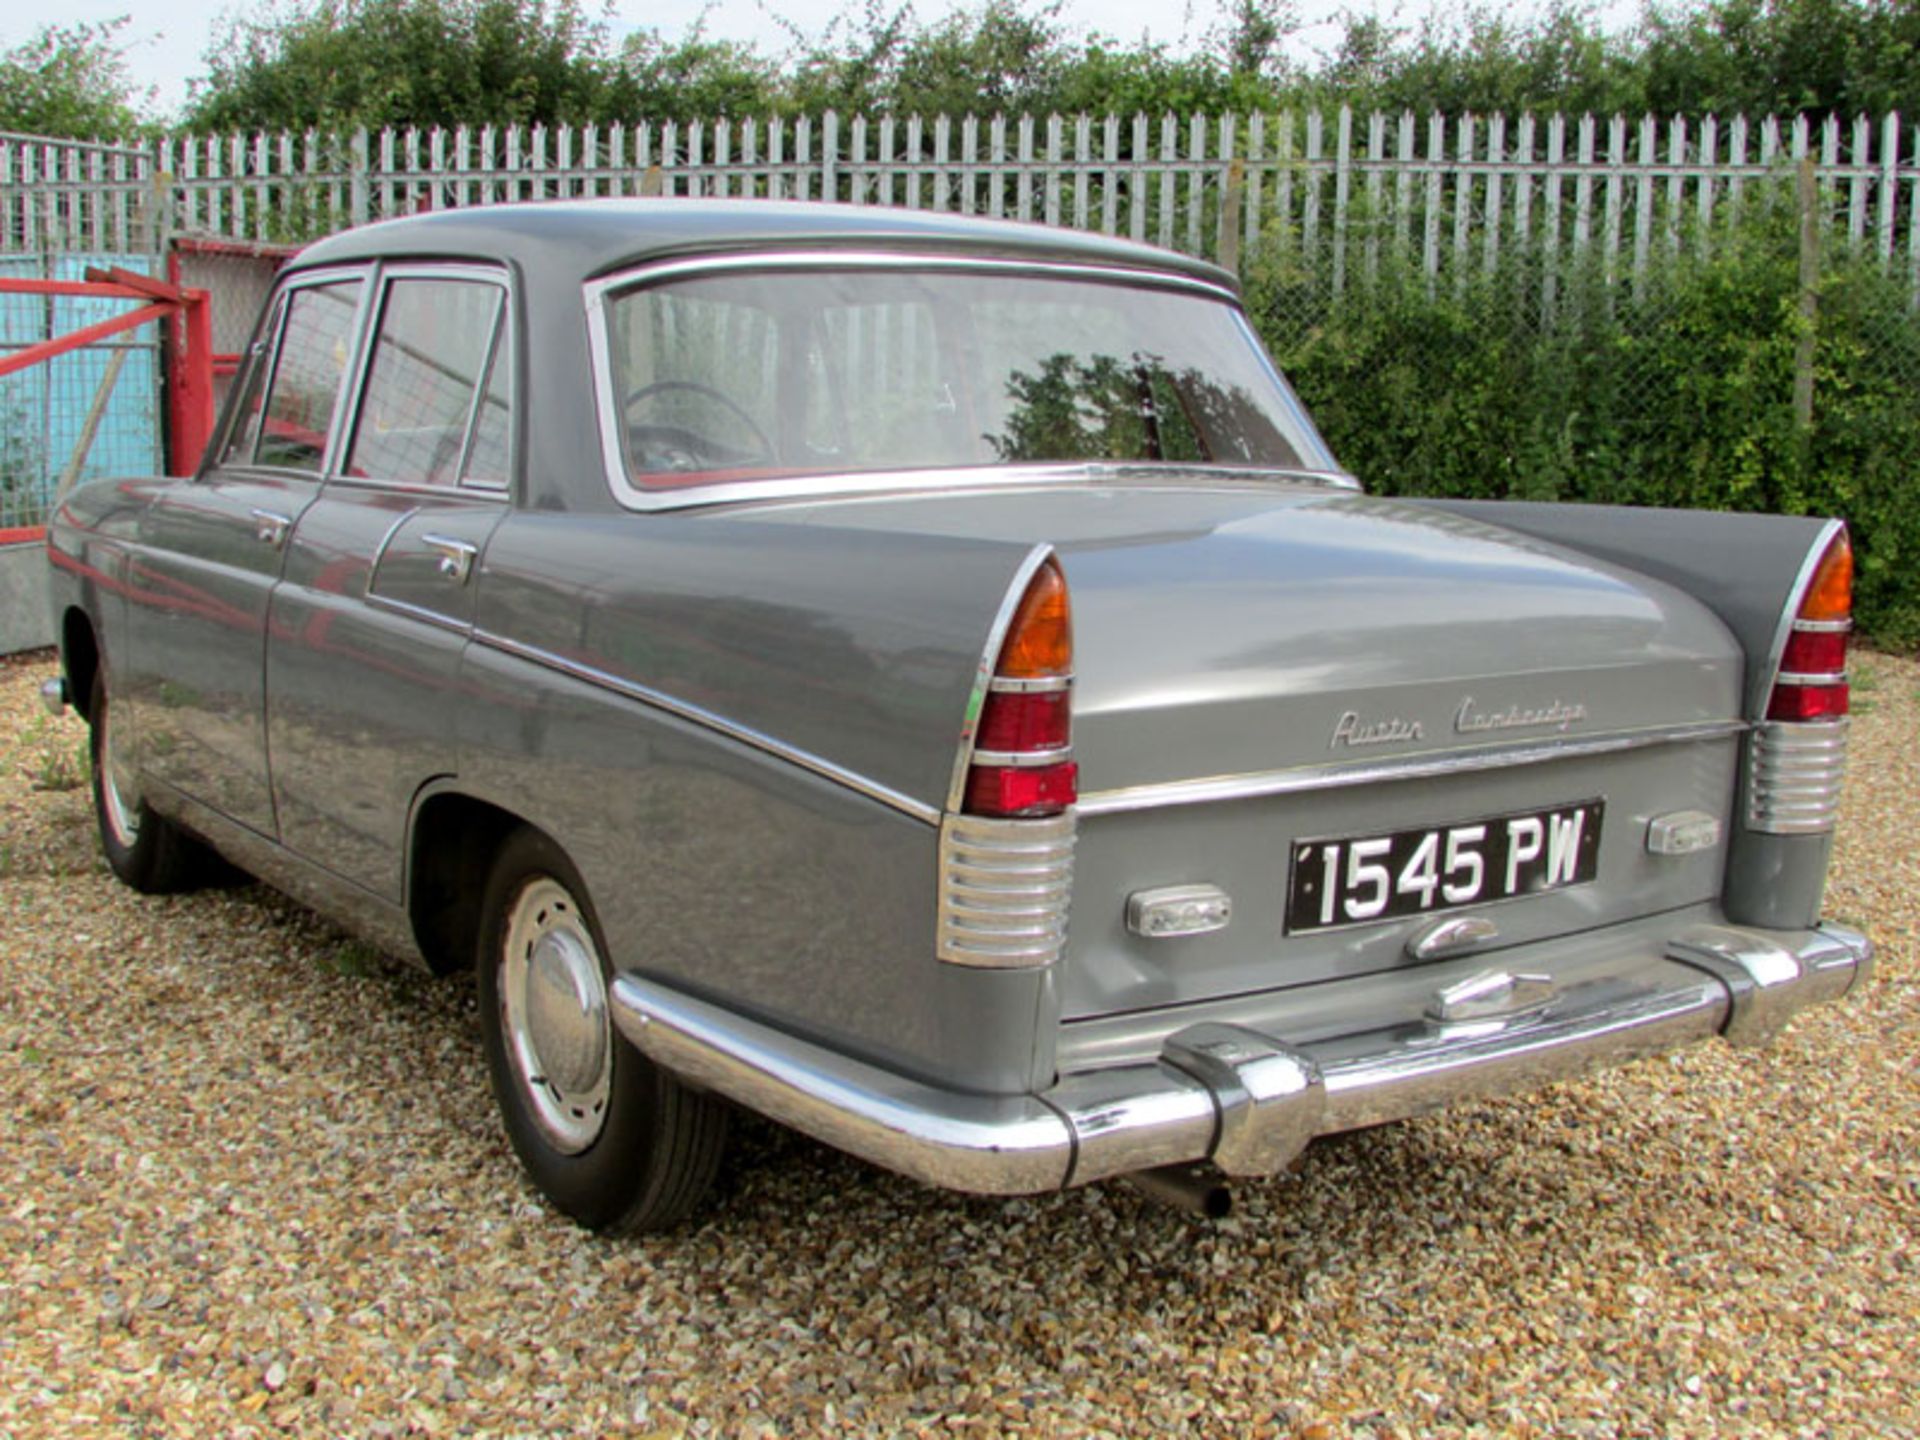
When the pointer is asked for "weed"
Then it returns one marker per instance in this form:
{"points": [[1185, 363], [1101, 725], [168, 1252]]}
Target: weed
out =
{"points": [[48, 756], [354, 959]]}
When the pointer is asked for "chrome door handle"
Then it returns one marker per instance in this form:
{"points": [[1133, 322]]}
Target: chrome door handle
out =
{"points": [[270, 527], [456, 556]]}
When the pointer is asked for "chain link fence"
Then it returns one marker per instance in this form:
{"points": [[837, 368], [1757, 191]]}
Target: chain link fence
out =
{"points": [[1684, 312], [91, 412], [1767, 359]]}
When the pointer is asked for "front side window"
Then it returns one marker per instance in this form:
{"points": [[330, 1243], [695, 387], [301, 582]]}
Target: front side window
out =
{"points": [[316, 343], [735, 377], [430, 354], [247, 407]]}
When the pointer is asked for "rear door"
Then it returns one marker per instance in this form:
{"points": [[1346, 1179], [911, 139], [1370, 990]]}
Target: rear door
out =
{"points": [[377, 598], [211, 552]]}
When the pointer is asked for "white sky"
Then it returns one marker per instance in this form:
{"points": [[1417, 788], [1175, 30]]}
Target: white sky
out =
{"points": [[167, 38]]}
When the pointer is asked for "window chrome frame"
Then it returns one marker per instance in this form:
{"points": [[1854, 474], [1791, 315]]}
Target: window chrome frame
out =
{"points": [[346, 396], [597, 293], [380, 278]]}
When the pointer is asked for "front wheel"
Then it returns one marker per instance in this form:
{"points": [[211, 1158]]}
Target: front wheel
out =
{"points": [[144, 849], [608, 1136]]}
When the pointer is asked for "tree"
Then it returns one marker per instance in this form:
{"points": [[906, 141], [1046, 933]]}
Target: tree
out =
{"points": [[69, 81], [340, 64], [1781, 57], [694, 76], [1254, 31]]}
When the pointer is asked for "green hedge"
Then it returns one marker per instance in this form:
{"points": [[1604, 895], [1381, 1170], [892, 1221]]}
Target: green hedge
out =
{"points": [[1675, 389]]}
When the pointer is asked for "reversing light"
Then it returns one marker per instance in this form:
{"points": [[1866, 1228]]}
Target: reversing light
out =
{"points": [[1811, 683], [1022, 763]]}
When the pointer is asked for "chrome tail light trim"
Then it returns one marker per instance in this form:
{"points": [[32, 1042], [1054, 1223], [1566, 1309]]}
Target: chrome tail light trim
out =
{"points": [[1794, 774], [1005, 889]]}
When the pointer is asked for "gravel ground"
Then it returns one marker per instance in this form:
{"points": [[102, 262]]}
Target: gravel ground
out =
{"points": [[253, 1183]]}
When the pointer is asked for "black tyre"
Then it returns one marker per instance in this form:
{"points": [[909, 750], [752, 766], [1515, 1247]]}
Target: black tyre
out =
{"points": [[608, 1136], [145, 850]]}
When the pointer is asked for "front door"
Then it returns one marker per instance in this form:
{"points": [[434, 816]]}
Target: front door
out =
{"points": [[211, 550]]}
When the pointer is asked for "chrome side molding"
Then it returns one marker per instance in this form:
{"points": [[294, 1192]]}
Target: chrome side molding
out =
{"points": [[1338, 774]]}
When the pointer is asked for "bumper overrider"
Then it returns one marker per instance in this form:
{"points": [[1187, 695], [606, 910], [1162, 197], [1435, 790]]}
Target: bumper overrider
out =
{"points": [[1246, 1100]]}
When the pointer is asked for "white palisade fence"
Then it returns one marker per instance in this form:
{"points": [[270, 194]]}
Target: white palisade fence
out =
{"points": [[1328, 192]]}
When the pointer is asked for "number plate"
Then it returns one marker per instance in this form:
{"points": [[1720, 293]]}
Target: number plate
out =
{"points": [[1365, 879]]}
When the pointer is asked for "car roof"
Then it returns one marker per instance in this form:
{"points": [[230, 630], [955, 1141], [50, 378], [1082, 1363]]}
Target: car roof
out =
{"points": [[596, 237]]}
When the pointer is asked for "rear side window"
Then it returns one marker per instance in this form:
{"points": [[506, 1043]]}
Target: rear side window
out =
{"points": [[315, 345], [425, 383]]}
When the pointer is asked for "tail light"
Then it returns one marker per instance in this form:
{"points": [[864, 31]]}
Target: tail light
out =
{"points": [[1797, 756], [1811, 683], [1022, 761], [1007, 842]]}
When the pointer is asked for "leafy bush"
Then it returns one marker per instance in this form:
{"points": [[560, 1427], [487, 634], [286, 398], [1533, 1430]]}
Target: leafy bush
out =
{"points": [[1673, 390], [70, 80]]}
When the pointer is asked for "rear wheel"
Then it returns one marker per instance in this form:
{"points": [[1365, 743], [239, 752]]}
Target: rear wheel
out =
{"points": [[144, 849], [611, 1138]]}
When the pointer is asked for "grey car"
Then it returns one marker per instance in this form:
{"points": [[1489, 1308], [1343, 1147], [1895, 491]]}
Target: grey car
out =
{"points": [[926, 680]]}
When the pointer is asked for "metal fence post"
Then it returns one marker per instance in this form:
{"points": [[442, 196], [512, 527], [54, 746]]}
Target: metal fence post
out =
{"points": [[1231, 200], [362, 198], [829, 156], [1803, 355]]}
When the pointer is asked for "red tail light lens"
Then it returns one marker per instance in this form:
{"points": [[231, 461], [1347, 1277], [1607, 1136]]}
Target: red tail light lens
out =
{"points": [[1006, 791], [1815, 652], [1026, 722], [1022, 762], [1808, 702], [1811, 683]]}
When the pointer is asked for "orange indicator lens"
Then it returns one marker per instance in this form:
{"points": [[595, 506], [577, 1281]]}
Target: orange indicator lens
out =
{"points": [[1830, 596], [1040, 641]]}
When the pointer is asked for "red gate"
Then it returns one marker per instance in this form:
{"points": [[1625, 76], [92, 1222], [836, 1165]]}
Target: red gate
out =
{"points": [[187, 351]]}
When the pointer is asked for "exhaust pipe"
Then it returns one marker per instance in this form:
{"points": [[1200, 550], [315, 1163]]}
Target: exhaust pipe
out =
{"points": [[1197, 1189]]}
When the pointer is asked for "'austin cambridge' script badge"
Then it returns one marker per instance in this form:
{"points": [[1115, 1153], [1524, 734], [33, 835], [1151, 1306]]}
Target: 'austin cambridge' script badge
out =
{"points": [[1350, 730], [1556, 714]]}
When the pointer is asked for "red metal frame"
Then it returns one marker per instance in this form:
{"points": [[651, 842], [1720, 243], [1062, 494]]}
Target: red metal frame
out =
{"points": [[188, 351]]}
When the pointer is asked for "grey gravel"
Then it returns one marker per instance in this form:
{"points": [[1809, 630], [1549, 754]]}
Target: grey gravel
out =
{"points": [[253, 1184]]}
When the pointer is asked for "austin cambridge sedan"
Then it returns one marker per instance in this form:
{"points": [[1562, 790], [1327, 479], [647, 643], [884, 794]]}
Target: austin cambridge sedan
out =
{"points": [[926, 681]]}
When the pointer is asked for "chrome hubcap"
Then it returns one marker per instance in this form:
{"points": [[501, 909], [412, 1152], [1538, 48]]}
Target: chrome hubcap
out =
{"points": [[553, 1008], [117, 784]]}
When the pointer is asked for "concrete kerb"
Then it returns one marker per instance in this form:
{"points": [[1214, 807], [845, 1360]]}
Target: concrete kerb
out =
{"points": [[26, 617]]}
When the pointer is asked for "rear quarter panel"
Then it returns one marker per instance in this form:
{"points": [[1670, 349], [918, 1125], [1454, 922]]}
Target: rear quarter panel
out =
{"points": [[1745, 568], [718, 861]]}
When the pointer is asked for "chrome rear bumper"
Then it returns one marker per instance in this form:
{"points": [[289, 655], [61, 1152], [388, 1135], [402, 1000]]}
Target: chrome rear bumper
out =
{"points": [[1245, 1100]]}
